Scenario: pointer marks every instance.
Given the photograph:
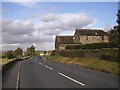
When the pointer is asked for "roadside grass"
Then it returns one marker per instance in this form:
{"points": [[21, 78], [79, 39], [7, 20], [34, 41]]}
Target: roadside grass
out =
{"points": [[5, 60], [91, 63]]}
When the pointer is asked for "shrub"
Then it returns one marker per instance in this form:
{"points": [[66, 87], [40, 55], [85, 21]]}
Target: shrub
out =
{"points": [[9, 54], [104, 54], [92, 46]]}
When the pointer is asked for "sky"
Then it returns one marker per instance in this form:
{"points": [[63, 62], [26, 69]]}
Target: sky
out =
{"points": [[37, 23]]}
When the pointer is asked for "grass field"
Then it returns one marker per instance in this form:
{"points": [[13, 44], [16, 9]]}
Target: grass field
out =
{"points": [[92, 63]]}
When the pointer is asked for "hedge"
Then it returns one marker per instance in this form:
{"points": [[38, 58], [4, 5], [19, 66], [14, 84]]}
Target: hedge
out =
{"points": [[92, 46], [103, 54]]}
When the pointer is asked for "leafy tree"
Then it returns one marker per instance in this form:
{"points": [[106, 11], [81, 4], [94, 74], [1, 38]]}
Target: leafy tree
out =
{"points": [[45, 52], [18, 52], [114, 35], [31, 50], [37, 52], [9, 54]]}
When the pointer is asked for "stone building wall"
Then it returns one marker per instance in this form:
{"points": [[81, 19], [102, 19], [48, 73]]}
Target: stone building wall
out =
{"points": [[62, 47], [93, 39]]}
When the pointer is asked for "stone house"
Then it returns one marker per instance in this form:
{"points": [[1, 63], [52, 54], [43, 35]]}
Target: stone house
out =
{"points": [[62, 41], [87, 36], [81, 36]]}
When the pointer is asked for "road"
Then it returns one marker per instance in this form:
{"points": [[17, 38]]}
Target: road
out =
{"points": [[37, 73]]}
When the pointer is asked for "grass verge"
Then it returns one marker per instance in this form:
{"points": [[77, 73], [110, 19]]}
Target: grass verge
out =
{"points": [[91, 63]]}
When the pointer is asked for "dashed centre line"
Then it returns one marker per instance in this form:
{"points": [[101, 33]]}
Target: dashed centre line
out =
{"points": [[40, 63], [80, 83], [71, 79], [48, 67]]}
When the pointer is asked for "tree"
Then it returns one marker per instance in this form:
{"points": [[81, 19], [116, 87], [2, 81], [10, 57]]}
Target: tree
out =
{"points": [[113, 35], [18, 52], [9, 54], [45, 52], [31, 51]]}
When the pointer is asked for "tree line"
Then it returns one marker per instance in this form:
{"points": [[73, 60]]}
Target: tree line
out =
{"points": [[18, 52]]}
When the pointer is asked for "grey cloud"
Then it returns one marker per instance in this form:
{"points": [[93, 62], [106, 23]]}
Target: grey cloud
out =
{"points": [[16, 27], [48, 17], [21, 33], [26, 33], [80, 23], [26, 39], [68, 21]]}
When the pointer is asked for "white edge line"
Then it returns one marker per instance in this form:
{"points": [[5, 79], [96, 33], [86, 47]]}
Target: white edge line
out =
{"points": [[48, 67], [72, 79], [18, 76]]}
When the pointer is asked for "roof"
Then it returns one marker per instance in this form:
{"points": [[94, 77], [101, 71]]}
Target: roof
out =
{"points": [[88, 32], [65, 39]]}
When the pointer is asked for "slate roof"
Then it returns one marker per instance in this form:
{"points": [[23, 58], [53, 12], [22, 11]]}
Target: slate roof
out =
{"points": [[90, 32], [64, 39]]}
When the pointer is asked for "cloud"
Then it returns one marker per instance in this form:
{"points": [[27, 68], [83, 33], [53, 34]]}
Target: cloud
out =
{"points": [[25, 3], [57, 23], [79, 20], [108, 27], [48, 17], [17, 33], [21, 1], [17, 27], [42, 32]]}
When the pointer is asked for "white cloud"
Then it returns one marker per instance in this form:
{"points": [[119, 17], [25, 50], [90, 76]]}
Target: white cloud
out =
{"points": [[17, 33], [48, 17], [21, 1], [57, 23], [108, 27], [17, 27], [25, 3]]}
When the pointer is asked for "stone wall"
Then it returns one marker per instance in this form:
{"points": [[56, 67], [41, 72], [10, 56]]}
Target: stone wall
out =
{"points": [[93, 39], [62, 47]]}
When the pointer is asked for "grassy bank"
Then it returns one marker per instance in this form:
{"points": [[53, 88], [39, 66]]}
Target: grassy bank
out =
{"points": [[5, 60], [92, 63]]}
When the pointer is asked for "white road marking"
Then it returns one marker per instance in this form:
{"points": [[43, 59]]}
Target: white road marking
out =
{"points": [[40, 63], [18, 76], [48, 67], [72, 79]]}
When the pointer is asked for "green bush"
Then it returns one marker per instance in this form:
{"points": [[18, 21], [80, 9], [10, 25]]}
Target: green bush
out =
{"points": [[92, 46], [104, 54], [9, 54]]}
